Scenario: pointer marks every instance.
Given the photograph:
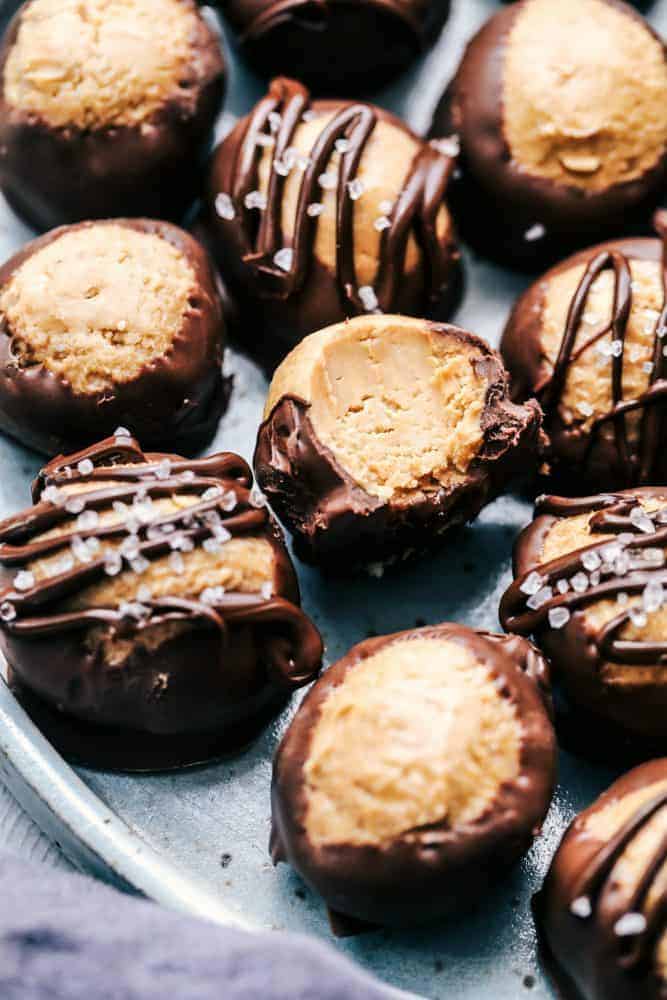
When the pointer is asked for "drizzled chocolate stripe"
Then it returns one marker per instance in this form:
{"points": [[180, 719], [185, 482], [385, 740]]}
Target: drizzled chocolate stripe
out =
{"points": [[414, 212], [638, 465], [34, 611], [597, 880], [611, 516]]}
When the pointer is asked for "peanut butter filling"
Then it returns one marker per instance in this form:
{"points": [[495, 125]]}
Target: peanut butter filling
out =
{"points": [[416, 734], [95, 63], [97, 304], [398, 404], [584, 94], [384, 168]]}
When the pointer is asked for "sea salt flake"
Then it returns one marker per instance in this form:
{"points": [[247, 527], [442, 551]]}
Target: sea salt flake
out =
{"points": [[221, 533], [224, 206], [283, 258], [88, 520], [630, 924], [53, 495], [129, 547], [579, 583], [622, 564], [7, 611], [653, 596], [342, 145], [449, 145], [24, 580], [187, 476], [255, 199], [328, 180], [368, 298], [211, 545], [640, 520], [140, 564], [562, 586], [654, 557], [536, 232], [163, 469], [266, 591], [281, 167], [540, 598], [212, 493], [581, 907], [595, 577], [113, 563], [212, 595], [381, 223], [80, 550], [637, 616], [585, 409], [133, 609], [355, 188], [558, 617], [591, 560], [64, 564], [616, 348], [314, 209], [74, 505], [647, 367], [532, 584], [85, 467], [228, 501], [122, 432]]}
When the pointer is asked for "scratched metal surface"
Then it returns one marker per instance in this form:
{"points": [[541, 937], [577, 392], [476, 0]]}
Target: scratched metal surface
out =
{"points": [[197, 839]]}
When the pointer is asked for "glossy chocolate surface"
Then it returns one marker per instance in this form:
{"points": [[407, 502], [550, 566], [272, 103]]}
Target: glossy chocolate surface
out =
{"points": [[176, 401], [434, 871]]}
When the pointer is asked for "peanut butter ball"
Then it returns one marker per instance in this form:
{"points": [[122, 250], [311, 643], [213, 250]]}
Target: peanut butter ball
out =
{"points": [[415, 772], [382, 433], [588, 340], [327, 209], [106, 324], [601, 912], [561, 113], [589, 585], [106, 108], [339, 46], [152, 594]]}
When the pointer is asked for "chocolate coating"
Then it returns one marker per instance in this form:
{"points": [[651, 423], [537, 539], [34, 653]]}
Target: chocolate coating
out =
{"points": [[56, 175], [603, 455], [580, 649], [337, 524], [501, 208], [435, 870], [338, 46], [280, 305], [176, 400], [226, 662], [590, 953]]}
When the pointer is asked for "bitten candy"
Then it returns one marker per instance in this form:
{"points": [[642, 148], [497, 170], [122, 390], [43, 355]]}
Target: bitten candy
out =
{"points": [[338, 46], [318, 210], [108, 324], [106, 108], [151, 596], [601, 913], [561, 145], [383, 433], [415, 772]]}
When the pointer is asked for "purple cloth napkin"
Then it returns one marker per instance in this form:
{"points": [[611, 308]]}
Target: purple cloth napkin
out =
{"points": [[66, 937]]}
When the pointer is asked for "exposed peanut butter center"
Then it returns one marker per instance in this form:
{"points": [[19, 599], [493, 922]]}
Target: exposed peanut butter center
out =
{"points": [[416, 734], [90, 63], [243, 564], [584, 94], [384, 168], [587, 393], [572, 533], [397, 403], [632, 864], [97, 304]]}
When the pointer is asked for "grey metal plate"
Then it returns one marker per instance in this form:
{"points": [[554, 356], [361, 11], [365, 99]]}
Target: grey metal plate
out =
{"points": [[166, 835]]}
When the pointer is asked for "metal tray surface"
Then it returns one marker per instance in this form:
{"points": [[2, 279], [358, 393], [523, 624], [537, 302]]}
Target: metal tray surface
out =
{"points": [[197, 839]]}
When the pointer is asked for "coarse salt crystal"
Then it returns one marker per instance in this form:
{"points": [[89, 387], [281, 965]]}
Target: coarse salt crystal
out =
{"points": [[85, 467], [562, 586], [532, 583], [74, 505], [542, 596], [327, 180], [579, 583], [616, 348], [382, 223], [224, 206], [342, 145], [7, 611], [581, 907], [558, 617], [255, 199], [256, 499], [355, 188], [140, 564], [653, 596], [536, 232], [266, 591], [314, 209], [53, 495], [283, 258], [121, 432], [163, 469], [368, 298], [113, 563], [24, 580], [386, 207], [585, 409], [630, 924], [88, 520], [637, 617], [591, 560], [212, 493], [449, 145]]}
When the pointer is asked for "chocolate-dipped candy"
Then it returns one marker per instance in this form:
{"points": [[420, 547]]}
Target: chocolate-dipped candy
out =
{"points": [[601, 914], [588, 340], [561, 145], [339, 46], [589, 586], [106, 108], [153, 594], [382, 433], [414, 774], [327, 209], [106, 324]]}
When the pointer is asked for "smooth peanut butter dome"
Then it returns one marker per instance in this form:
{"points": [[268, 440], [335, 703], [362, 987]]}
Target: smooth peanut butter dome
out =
{"points": [[590, 578], [128, 563], [110, 322], [601, 910], [97, 304], [423, 755], [386, 425], [561, 114], [92, 63]]}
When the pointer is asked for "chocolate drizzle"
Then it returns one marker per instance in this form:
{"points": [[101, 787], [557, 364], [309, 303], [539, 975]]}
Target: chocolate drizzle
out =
{"points": [[415, 210], [640, 464], [625, 569], [225, 508]]}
